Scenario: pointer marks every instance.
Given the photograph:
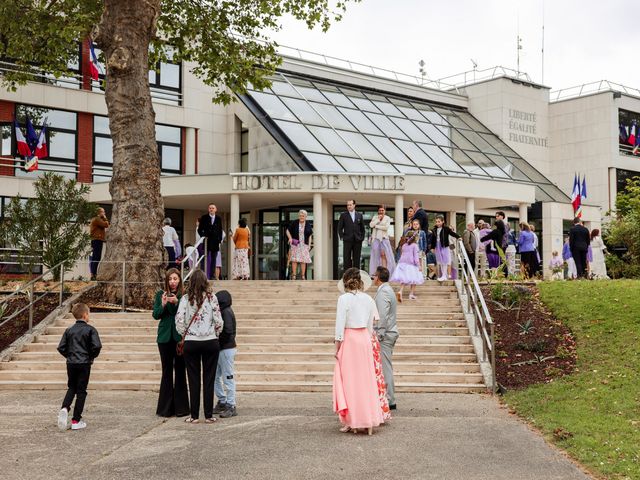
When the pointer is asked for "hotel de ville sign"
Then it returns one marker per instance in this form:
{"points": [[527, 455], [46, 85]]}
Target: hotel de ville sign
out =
{"points": [[317, 182]]}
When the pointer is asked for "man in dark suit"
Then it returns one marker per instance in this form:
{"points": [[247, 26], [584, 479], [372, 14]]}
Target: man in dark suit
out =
{"points": [[420, 215], [351, 232], [211, 227], [579, 240]]}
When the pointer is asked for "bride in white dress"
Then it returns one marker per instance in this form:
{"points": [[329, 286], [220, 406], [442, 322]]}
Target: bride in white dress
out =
{"points": [[598, 266]]}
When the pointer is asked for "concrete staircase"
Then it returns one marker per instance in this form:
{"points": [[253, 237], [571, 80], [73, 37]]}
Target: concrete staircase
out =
{"points": [[285, 343]]}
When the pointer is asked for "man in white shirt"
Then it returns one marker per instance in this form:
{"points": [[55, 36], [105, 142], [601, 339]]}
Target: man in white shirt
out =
{"points": [[387, 328]]}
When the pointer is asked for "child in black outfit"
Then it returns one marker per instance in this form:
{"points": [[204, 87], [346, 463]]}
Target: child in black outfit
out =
{"points": [[80, 345]]}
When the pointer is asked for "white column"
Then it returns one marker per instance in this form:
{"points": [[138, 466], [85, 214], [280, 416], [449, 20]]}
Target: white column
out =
{"points": [[234, 216], [552, 238], [470, 210], [190, 151], [398, 219], [522, 207], [451, 220], [318, 237]]}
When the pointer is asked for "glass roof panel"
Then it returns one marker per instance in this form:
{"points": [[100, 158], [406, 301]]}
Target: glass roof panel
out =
{"points": [[324, 163], [360, 121], [362, 146], [331, 141], [359, 130], [387, 126]]}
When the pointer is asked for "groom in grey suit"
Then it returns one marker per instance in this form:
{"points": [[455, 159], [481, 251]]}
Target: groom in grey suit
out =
{"points": [[387, 329]]}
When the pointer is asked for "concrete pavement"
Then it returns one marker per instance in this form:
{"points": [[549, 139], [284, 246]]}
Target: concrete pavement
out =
{"points": [[275, 436]]}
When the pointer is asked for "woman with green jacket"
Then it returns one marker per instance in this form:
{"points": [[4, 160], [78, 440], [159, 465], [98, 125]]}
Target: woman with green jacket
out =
{"points": [[173, 398]]}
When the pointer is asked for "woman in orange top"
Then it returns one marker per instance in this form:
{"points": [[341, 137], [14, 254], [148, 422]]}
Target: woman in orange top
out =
{"points": [[241, 236]]}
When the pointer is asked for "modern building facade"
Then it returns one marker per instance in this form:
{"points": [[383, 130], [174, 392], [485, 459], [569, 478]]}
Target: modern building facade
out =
{"points": [[323, 134]]}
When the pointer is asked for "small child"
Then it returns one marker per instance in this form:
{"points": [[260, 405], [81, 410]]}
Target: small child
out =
{"points": [[556, 264], [440, 246], [572, 271], [408, 270], [80, 345], [224, 379]]}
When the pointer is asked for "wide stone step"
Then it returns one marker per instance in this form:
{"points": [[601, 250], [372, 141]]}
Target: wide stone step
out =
{"points": [[264, 357], [250, 387]]}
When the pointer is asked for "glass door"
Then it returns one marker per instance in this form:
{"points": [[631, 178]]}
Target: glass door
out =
{"points": [[267, 258]]}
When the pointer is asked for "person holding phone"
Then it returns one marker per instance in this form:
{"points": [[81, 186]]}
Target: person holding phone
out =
{"points": [[173, 398]]}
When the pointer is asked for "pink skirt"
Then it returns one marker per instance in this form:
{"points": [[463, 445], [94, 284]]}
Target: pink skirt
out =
{"points": [[355, 388]]}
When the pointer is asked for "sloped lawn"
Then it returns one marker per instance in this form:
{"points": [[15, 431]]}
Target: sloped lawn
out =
{"points": [[594, 414]]}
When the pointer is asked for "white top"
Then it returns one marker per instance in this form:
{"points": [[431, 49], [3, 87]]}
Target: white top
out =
{"points": [[380, 228], [208, 322], [355, 310], [169, 236]]}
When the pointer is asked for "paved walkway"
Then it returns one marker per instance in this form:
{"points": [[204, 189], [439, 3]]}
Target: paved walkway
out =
{"points": [[275, 436]]}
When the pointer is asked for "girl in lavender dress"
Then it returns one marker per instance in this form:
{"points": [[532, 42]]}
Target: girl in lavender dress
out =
{"points": [[440, 246], [408, 271], [381, 250]]}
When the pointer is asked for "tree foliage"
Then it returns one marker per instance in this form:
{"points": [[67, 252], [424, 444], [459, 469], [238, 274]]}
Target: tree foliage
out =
{"points": [[624, 230], [50, 226], [227, 40]]}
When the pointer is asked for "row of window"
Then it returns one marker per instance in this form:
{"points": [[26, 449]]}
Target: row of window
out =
{"points": [[62, 143]]}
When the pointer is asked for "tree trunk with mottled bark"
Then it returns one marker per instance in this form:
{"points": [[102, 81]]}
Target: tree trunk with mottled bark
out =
{"points": [[135, 236]]}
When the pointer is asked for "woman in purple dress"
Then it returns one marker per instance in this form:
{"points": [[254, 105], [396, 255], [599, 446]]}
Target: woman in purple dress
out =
{"points": [[409, 268], [495, 242]]}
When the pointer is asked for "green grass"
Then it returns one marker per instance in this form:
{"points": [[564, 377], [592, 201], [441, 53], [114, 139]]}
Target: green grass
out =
{"points": [[599, 405]]}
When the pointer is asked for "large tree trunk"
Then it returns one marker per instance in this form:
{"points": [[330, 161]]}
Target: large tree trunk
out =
{"points": [[124, 35]]}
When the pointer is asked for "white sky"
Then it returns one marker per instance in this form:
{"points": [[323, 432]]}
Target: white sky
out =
{"points": [[585, 41]]}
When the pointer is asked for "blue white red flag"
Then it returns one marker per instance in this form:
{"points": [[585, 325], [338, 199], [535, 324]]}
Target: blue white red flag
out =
{"points": [[632, 134], [624, 134], [41, 150], [583, 189], [94, 64], [23, 147], [575, 194], [32, 136]]}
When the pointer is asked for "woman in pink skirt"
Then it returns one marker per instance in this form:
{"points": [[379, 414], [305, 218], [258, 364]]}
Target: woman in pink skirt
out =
{"points": [[355, 387]]}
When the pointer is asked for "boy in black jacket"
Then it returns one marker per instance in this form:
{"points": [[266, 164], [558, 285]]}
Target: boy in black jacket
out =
{"points": [[80, 345], [225, 380]]}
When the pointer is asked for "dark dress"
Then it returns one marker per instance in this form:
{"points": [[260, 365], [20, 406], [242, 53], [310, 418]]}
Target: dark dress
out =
{"points": [[173, 398]]}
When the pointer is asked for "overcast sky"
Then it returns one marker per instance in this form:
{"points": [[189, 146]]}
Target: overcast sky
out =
{"points": [[585, 41]]}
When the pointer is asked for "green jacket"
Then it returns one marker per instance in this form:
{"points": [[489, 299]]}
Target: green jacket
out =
{"points": [[167, 317]]}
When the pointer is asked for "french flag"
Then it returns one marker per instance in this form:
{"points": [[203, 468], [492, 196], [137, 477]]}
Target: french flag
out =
{"points": [[94, 65], [41, 147], [576, 199], [632, 134], [23, 146]]}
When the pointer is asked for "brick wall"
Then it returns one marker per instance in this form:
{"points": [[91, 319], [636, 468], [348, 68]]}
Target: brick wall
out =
{"points": [[7, 110], [85, 147]]}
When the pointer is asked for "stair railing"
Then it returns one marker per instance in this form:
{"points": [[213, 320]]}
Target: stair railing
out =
{"points": [[483, 324], [197, 263], [28, 290]]}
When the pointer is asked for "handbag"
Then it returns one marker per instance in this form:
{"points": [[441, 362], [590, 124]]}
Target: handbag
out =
{"points": [[180, 344]]}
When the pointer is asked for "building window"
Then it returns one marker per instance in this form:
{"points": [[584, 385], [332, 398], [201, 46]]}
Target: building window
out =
{"points": [[165, 81], [61, 136], [622, 176], [629, 132], [169, 140], [244, 150]]}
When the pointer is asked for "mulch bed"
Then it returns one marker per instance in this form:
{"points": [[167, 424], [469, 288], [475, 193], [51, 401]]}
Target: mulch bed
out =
{"points": [[17, 327], [532, 346]]}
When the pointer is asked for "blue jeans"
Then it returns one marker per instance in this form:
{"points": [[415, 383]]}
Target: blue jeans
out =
{"points": [[96, 256], [225, 379]]}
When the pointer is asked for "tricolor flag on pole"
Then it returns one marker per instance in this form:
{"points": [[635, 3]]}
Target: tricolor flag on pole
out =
{"points": [[94, 65], [576, 197], [23, 147], [632, 134], [41, 147], [583, 189]]}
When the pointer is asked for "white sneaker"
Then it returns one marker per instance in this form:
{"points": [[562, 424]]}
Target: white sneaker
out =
{"points": [[63, 417], [79, 425]]}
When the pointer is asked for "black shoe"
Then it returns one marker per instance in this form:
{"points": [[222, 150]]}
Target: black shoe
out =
{"points": [[392, 407], [229, 412], [220, 407]]}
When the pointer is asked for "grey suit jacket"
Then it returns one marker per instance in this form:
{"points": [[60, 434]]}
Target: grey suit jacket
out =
{"points": [[387, 304]]}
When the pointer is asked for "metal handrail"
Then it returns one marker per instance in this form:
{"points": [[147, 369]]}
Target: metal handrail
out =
{"points": [[590, 89], [199, 259], [28, 289], [483, 323]]}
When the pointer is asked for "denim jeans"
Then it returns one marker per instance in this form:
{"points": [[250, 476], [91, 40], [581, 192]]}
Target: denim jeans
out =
{"points": [[225, 379]]}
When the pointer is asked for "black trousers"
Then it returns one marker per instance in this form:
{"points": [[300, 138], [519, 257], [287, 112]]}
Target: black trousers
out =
{"points": [[201, 358], [171, 254], [78, 380], [580, 257], [174, 397], [96, 256], [351, 253], [472, 259], [529, 261]]}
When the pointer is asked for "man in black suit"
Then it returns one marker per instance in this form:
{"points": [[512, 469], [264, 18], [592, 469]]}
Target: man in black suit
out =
{"points": [[211, 227], [579, 240], [351, 232]]}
